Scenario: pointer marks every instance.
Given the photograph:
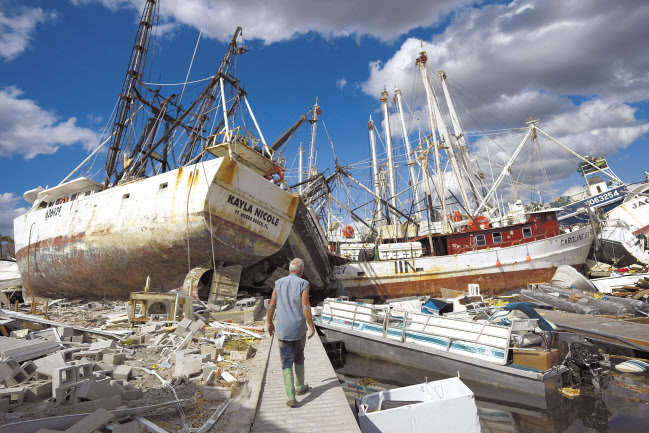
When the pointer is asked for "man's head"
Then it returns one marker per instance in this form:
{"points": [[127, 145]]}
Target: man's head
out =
{"points": [[296, 267]]}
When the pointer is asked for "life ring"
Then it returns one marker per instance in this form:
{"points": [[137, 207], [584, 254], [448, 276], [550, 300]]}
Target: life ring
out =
{"points": [[63, 200], [275, 169], [515, 243]]}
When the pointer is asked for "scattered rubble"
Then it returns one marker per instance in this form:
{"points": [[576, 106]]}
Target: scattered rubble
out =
{"points": [[85, 364]]}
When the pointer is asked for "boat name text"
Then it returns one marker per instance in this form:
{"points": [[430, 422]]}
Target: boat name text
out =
{"points": [[575, 238], [640, 203], [256, 215], [55, 211]]}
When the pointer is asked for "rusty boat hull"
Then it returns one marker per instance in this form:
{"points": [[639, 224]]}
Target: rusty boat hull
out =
{"points": [[389, 279], [107, 243]]}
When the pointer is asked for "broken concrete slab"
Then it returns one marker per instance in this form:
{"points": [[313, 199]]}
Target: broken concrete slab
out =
{"points": [[97, 389], [105, 344], [96, 420], [188, 365], [122, 372]]}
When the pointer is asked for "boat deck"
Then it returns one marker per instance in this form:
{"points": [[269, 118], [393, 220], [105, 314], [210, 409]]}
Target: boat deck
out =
{"points": [[601, 327], [323, 409]]}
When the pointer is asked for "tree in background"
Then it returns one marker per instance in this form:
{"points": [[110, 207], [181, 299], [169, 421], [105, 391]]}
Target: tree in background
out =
{"points": [[3, 239]]}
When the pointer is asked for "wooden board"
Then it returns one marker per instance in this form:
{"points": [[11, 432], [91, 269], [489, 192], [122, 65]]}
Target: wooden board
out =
{"points": [[225, 284]]}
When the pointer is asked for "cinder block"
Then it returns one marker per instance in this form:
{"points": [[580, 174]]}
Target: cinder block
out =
{"points": [[29, 368], [7, 369], [97, 389], [188, 365], [181, 353], [64, 376], [39, 390], [158, 339], [65, 331], [78, 338], [196, 326], [14, 395], [185, 323], [114, 358], [122, 372], [105, 344], [92, 422], [68, 394], [149, 329], [208, 368], [109, 403], [212, 351], [95, 355]]}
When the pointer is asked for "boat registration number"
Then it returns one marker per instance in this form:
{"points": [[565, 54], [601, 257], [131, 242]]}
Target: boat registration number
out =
{"points": [[602, 198], [55, 211]]}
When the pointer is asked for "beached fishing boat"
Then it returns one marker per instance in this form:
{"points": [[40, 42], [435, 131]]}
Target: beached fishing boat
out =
{"points": [[219, 199], [480, 351]]}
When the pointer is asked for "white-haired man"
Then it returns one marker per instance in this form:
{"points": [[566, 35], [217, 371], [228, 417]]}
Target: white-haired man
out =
{"points": [[291, 299]]}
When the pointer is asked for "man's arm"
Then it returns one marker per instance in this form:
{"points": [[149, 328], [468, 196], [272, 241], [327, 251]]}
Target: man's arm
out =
{"points": [[306, 308], [271, 312]]}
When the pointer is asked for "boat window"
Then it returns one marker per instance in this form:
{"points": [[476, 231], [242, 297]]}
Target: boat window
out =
{"points": [[50, 204], [164, 185], [480, 240], [73, 196], [87, 192], [125, 196], [42, 204], [599, 189], [498, 238], [527, 232]]}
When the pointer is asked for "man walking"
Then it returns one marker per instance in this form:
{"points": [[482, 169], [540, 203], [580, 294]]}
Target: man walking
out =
{"points": [[291, 299]]}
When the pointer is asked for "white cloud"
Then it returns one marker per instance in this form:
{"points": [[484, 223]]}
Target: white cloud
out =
{"points": [[9, 209], [274, 21], [533, 58], [341, 83], [16, 30], [27, 129]]}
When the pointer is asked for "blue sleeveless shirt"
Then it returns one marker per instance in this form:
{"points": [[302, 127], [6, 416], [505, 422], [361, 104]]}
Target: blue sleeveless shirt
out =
{"points": [[290, 321]]}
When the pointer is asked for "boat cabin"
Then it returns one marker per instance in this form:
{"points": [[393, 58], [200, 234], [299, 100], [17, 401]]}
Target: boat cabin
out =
{"points": [[42, 198], [540, 225]]}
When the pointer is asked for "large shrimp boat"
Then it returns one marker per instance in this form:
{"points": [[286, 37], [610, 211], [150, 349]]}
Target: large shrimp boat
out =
{"points": [[453, 238], [160, 212]]}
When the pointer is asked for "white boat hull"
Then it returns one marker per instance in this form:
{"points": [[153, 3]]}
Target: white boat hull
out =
{"points": [[107, 243], [428, 275]]}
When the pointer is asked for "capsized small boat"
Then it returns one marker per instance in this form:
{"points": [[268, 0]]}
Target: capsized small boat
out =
{"points": [[447, 404]]}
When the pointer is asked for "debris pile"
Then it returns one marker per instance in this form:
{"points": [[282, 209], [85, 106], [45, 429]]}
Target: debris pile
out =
{"points": [[100, 367]]}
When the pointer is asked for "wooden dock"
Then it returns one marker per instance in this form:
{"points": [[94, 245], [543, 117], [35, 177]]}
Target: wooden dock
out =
{"points": [[323, 409], [628, 334]]}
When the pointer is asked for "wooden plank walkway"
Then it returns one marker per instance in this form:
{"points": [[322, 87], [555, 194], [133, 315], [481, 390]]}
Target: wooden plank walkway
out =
{"points": [[600, 327], [323, 409]]}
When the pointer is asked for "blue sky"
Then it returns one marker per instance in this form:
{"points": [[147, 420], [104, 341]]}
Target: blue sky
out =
{"points": [[581, 66]]}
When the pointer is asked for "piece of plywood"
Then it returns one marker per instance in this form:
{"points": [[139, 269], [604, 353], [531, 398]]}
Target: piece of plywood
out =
{"points": [[225, 283]]}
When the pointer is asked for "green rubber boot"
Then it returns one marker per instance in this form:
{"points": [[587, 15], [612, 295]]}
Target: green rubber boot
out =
{"points": [[288, 384], [300, 386]]}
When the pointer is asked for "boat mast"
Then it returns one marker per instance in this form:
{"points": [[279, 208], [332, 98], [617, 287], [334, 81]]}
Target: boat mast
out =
{"points": [[461, 139], [375, 171], [312, 164], [299, 174], [388, 144], [442, 128], [134, 73], [411, 163], [421, 62]]}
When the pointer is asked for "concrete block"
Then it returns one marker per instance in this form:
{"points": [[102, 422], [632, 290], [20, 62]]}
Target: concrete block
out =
{"points": [[7, 369], [67, 353], [208, 368], [129, 427], [68, 394], [181, 353], [185, 323], [212, 351], [96, 420], [149, 329], [4, 405], [97, 389], [196, 326], [114, 358], [38, 390], [95, 355], [15, 395], [122, 372], [240, 355], [158, 339], [19, 333], [29, 368], [188, 365], [228, 377], [132, 394], [64, 376], [102, 366], [105, 344], [65, 331]]}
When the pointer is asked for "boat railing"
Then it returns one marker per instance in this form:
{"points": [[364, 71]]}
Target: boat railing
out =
{"points": [[487, 340], [238, 136]]}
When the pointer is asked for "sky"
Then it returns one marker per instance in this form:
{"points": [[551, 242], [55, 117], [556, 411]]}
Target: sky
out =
{"points": [[580, 66]]}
